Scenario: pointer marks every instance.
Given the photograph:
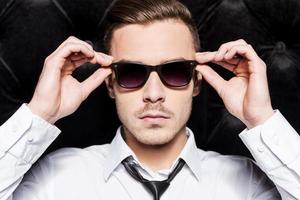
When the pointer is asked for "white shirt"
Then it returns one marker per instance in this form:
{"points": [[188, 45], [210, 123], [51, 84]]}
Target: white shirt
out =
{"points": [[95, 173]]}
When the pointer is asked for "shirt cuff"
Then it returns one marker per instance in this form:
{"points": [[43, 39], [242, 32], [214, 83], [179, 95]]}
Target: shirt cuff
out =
{"points": [[26, 136], [274, 144]]}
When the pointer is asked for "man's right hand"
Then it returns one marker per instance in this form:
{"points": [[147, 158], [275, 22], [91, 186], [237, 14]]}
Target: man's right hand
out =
{"points": [[58, 94]]}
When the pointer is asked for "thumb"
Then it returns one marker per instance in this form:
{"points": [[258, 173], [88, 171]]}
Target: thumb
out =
{"points": [[212, 77], [92, 82]]}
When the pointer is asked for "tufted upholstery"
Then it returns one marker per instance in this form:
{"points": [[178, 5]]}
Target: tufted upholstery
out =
{"points": [[31, 29]]}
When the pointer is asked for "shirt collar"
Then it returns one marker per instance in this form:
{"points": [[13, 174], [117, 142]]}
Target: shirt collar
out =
{"points": [[192, 155], [119, 150]]}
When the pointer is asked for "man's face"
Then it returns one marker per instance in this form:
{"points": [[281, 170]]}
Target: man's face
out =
{"points": [[154, 113]]}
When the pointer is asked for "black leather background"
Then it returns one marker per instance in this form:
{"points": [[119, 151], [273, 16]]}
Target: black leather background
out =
{"points": [[32, 29]]}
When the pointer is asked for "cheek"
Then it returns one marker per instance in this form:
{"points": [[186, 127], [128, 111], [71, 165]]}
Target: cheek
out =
{"points": [[180, 102], [127, 105], [183, 105]]}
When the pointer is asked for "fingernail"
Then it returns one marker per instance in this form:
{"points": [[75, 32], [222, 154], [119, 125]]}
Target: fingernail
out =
{"points": [[110, 57]]}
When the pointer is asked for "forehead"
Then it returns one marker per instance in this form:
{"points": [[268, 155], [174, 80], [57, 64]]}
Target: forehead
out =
{"points": [[153, 43]]}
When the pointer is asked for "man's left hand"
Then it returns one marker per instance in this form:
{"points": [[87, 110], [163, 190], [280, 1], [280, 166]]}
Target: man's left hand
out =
{"points": [[246, 95]]}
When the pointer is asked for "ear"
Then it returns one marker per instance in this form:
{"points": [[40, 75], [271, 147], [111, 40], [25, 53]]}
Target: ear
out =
{"points": [[197, 84], [109, 86]]}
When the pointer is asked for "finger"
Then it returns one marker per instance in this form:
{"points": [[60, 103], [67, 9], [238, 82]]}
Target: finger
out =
{"points": [[241, 50], [234, 61], [58, 59], [76, 56], [72, 65], [66, 73], [103, 59], [245, 51], [226, 46], [204, 57], [250, 58], [199, 76], [225, 65], [100, 58], [242, 70], [73, 39], [92, 82], [209, 57], [78, 63], [214, 79], [69, 67], [237, 70], [75, 49]]}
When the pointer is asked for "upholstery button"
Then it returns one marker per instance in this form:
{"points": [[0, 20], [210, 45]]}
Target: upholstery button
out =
{"points": [[261, 149], [280, 46]]}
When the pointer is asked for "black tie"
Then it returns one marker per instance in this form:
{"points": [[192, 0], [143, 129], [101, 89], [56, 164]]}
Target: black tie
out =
{"points": [[157, 188]]}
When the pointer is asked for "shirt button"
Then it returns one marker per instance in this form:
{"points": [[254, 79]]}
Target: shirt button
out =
{"points": [[261, 149], [30, 140]]}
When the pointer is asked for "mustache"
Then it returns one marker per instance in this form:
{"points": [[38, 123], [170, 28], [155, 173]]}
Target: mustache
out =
{"points": [[154, 107]]}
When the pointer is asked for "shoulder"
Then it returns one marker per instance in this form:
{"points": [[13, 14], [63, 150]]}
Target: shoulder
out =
{"points": [[229, 164], [72, 160], [68, 156], [234, 173]]}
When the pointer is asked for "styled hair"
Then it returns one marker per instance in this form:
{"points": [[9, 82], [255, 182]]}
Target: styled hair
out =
{"points": [[125, 12]]}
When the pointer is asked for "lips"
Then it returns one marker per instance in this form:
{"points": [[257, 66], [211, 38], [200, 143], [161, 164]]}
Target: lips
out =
{"points": [[154, 116]]}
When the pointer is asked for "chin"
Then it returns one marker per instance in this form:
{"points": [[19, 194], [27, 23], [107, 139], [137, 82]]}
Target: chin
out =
{"points": [[154, 135]]}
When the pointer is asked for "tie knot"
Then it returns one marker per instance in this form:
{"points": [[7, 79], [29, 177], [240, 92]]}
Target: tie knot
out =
{"points": [[157, 188]]}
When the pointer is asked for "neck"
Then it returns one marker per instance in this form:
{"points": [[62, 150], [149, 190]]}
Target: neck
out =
{"points": [[157, 157]]}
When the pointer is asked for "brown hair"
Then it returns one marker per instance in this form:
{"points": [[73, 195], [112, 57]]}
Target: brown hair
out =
{"points": [[124, 12]]}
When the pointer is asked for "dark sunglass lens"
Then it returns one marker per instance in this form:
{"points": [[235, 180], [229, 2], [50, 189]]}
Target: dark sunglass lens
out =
{"points": [[177, 74], [131, 75]]}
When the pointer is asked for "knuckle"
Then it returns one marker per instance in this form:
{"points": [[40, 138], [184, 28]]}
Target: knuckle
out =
{"points": [[47, 60], [71, 38], [263, 64], [89, 44], [223, 46], [71, 45], [48, 63], [65, 45], [249, 46], [242, 41]]}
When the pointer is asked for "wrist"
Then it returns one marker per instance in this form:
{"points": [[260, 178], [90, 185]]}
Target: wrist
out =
{"points": [[42, 113], [259, 120]]}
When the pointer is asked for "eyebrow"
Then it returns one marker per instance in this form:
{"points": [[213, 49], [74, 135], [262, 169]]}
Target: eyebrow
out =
{"points": [[162, 62]]}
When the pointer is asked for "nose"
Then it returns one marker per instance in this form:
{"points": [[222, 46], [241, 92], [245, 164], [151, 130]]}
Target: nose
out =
{"points": [[154, 89]]}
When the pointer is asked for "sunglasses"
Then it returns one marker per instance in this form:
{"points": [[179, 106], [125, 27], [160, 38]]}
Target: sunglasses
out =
{"points": [[132, 75]]}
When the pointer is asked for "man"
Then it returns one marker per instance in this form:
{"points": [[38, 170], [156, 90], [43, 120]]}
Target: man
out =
{"points": [[153, 106]]}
